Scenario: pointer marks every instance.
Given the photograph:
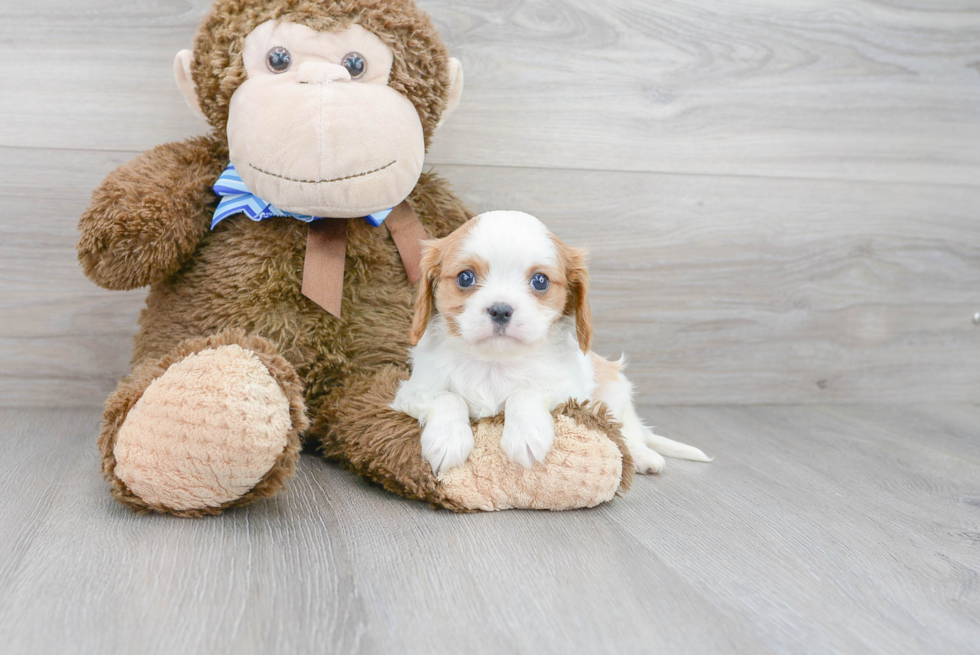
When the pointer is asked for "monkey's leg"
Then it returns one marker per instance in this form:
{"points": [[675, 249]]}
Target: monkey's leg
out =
{"points": [[588, 464], [213, 424]]}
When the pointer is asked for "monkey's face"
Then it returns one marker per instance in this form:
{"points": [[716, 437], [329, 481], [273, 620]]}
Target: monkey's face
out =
{"points": [[315, 129]]}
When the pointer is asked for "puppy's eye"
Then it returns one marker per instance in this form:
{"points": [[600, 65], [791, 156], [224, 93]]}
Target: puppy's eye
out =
{"points": [[279, 60], [466, 279], [355, 64], [539, 281]]}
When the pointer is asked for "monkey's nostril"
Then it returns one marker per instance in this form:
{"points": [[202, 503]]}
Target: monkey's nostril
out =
{"points": [[500, 312]]}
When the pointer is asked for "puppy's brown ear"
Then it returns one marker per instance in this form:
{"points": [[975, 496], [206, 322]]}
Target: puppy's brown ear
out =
{"points": [[425, 301], [576, 264]]}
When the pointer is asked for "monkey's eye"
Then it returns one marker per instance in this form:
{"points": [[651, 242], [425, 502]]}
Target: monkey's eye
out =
{"points": [[466, 279], [539, 281], [279, 60], [355, 64]]}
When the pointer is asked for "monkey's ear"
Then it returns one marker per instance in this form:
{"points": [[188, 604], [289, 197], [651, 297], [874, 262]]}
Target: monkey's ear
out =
{"points": [[182, 73], [455, 90]]}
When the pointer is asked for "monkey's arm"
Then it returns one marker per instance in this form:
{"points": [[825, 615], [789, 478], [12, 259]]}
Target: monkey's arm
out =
{"points": [[148, 216]]}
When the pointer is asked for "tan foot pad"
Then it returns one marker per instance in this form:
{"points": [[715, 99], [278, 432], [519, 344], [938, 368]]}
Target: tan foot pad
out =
{"points": [[583, 469], [205, 432]]}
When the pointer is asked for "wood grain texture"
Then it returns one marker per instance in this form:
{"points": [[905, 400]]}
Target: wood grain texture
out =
{"points": [[817, 529], [817, 88], [719, 289], [63, 341], [736, 290], [781, 198], [821, 502]]}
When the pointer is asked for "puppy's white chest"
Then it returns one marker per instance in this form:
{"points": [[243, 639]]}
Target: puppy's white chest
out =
{"points": [[485, 386]]}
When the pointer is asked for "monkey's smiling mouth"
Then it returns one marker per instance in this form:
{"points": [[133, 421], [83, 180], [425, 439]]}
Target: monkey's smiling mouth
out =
{"points": [[336, 179]]}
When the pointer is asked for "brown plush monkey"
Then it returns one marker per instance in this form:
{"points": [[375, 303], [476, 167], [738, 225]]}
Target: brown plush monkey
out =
{"points": [[245, 349]]}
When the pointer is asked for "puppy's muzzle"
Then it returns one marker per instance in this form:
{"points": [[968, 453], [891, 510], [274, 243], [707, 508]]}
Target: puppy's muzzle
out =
{"points": [[500, 313]]}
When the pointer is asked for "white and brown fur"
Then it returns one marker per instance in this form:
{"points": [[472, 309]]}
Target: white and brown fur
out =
{"points": [[468, 366]]}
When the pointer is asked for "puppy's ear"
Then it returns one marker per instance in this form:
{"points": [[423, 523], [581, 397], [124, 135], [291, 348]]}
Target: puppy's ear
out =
{"points": [[577, 276], [425, 301]]}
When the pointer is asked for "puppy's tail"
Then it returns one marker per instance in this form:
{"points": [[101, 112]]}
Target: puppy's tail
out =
{"points": [[672, 448]]}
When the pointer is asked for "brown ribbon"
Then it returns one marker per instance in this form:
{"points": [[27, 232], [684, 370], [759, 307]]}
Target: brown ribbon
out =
{"points": [[408, 234], [326, 250]]}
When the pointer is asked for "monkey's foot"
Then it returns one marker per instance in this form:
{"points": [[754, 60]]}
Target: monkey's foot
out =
{"points": [[214, 424], [584, 468], [588, 463]]}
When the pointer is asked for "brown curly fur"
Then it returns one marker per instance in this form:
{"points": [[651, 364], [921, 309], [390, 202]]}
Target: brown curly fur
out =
{"points": [[148, 223], [149, 216]]}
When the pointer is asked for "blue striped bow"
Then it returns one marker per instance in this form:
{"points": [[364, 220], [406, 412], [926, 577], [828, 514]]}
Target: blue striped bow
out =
{"points": [[237, 199]]}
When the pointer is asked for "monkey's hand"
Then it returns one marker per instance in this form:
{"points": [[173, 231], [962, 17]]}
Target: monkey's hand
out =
{"points": [[148, 216]]}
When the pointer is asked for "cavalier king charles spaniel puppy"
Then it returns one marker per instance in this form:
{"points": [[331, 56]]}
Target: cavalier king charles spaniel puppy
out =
{"points": [[502, 322]]}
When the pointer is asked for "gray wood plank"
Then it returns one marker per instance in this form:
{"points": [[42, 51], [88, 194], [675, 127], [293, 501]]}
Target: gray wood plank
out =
{"points": [[719, 289], [741, 290], [94, 578], [828, 515], [816, 529], [857, 90], [39, 449], [63, 341], [518, 582]]}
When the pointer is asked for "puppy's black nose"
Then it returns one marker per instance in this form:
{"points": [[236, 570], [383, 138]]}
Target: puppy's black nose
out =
{"points": [[500, 312]]}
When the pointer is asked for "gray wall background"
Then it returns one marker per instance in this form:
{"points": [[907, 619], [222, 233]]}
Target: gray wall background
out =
{"points": [[782, 199]]}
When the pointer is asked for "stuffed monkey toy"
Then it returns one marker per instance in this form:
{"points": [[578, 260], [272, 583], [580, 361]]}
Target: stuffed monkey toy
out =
{"points": [[281, 252]]}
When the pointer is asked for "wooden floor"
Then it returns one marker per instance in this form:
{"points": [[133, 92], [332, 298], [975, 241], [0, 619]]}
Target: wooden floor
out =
{"points": [[816, 529]]}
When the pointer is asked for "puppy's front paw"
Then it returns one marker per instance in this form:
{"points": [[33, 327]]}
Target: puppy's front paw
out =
{"points": [[647, 460], [446, 444], [527, 437]]}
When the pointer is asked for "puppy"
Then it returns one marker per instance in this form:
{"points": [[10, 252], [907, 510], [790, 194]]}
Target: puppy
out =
{"points": [[502, 322]]}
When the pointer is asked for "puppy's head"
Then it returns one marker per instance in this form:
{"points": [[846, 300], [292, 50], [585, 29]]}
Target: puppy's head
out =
{"points": [[501, 282]]}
